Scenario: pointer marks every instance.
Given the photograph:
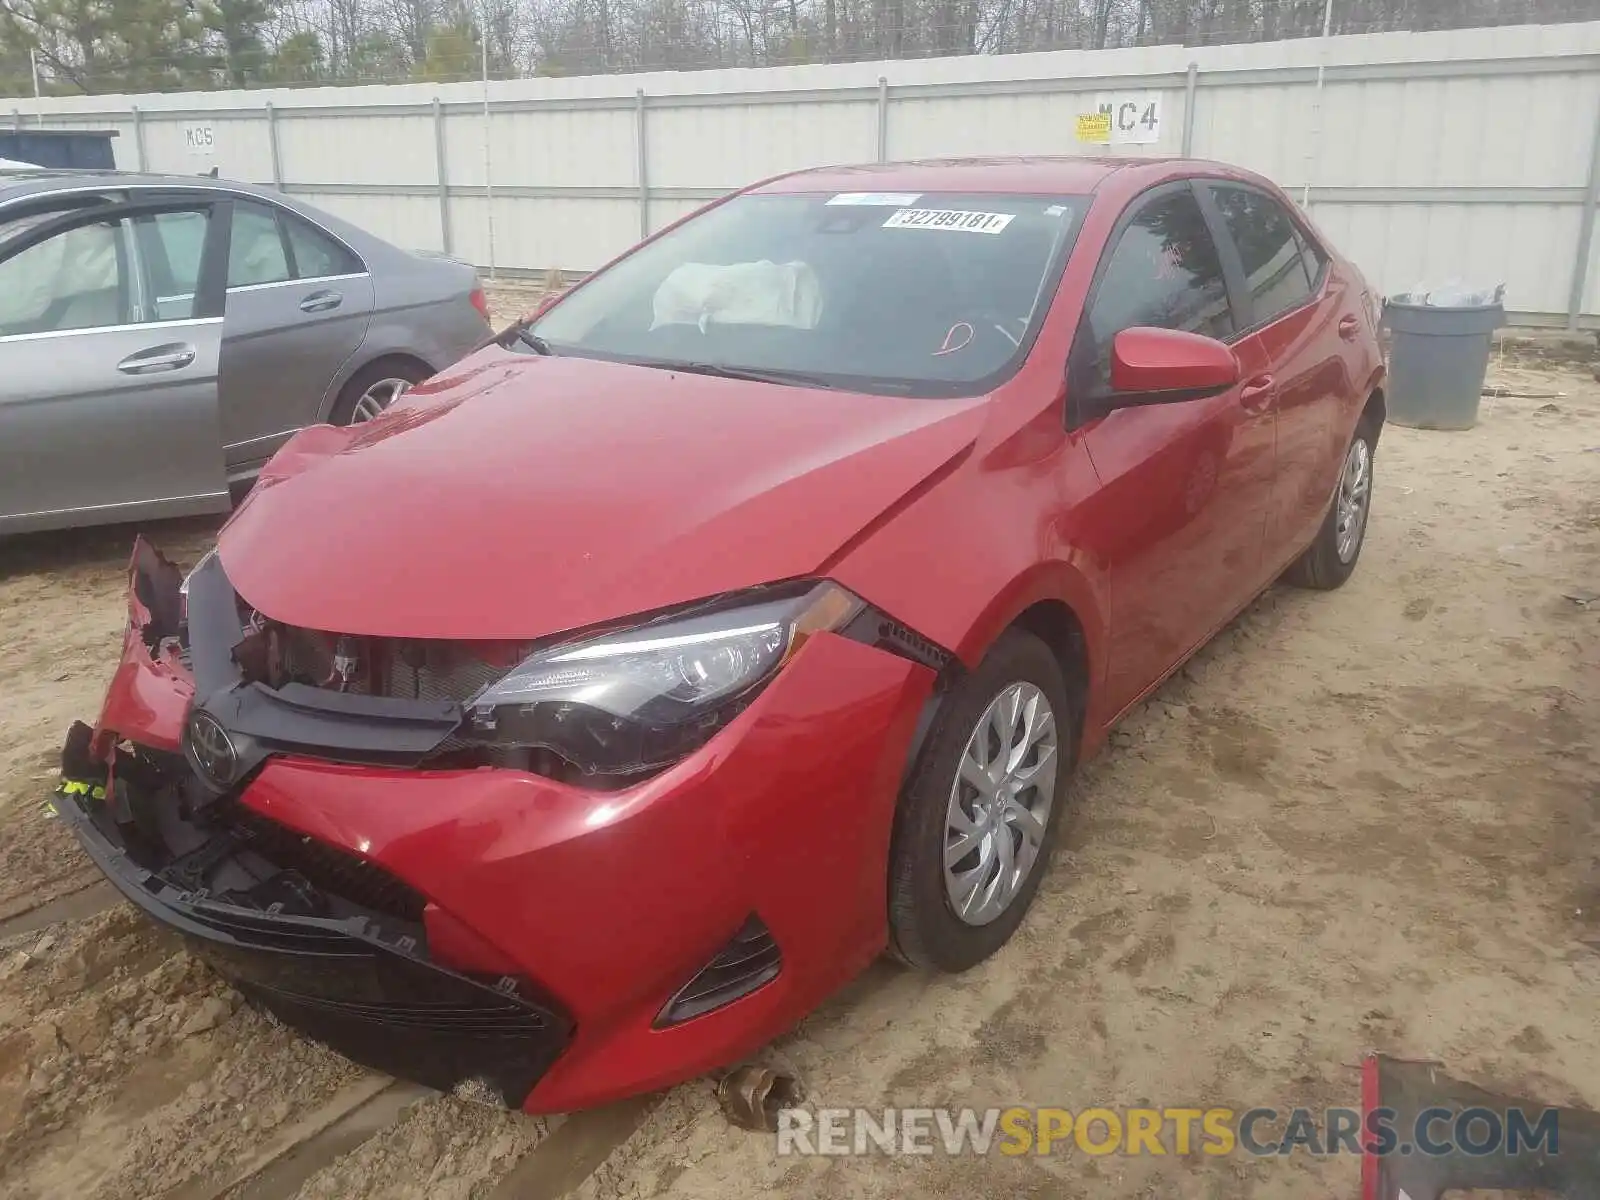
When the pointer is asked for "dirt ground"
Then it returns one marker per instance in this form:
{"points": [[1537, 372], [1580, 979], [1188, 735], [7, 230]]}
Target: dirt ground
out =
{"points": [[1364, 819]]}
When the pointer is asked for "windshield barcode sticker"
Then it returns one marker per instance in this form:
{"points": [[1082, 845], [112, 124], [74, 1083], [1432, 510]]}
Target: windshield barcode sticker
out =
{"points": [[952, 219]]}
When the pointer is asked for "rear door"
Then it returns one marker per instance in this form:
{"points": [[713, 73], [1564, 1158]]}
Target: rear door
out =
{"points": [[1185, 488], [1292, 325], [108, 400], [299, 302]]}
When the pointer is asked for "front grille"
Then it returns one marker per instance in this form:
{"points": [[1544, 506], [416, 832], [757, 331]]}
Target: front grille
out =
{"points": [[459, 681], [396, 1013], [750, 960], [327, 868], [402, 668], [480, 1014]]}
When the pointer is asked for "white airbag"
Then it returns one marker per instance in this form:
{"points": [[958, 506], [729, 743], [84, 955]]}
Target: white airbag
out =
{"points": [[786, 295]]}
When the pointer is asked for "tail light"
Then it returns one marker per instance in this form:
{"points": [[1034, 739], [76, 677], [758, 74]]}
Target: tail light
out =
{"points": [[481, 303]]}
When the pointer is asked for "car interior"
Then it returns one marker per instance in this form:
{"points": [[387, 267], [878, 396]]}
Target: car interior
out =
{"points": [[916, 305], [75, 280]]}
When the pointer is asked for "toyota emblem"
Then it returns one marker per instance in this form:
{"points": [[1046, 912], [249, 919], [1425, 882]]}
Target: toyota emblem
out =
{"points": [[211, 750]]}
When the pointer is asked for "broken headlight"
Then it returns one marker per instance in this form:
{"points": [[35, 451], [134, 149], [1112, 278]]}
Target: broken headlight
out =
{"points": [[638, 699]]}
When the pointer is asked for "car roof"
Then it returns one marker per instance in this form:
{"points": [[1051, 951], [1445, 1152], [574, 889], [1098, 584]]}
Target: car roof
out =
{"points": [[19, 184], [19, 188], [1059, 175]]}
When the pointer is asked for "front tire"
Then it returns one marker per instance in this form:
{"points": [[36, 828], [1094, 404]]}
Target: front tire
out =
{"points": [[1331, 558], [977, 823]]}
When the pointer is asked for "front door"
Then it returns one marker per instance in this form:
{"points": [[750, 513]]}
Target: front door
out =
{"points": [[1185, 488], [108, 399]]}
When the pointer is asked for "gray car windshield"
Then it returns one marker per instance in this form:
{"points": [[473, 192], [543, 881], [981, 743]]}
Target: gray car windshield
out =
{"points": [[934, 294]]}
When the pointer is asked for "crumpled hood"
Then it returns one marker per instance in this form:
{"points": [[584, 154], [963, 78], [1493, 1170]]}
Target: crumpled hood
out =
{"points": [[521, 496]]}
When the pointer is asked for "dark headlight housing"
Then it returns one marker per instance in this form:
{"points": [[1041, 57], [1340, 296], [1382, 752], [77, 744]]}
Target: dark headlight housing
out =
{"points": [[631, 701]]}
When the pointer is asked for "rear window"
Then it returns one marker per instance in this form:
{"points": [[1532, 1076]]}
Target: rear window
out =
{"points": [[316, 255], [920, 294], [255, 251], [1270, 251]]}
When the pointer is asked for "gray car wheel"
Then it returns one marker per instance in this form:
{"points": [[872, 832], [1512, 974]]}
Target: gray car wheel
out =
{"points": [[377, 398], [374, 388]]}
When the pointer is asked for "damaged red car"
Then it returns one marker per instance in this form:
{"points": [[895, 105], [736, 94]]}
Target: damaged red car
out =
{"points": [[589, 717]]}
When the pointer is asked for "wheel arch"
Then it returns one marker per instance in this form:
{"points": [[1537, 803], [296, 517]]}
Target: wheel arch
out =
{"points": [[1056, 604], [1055, 624], [1055, 600], [1059, 633], [1376, 411], [360, 365]]}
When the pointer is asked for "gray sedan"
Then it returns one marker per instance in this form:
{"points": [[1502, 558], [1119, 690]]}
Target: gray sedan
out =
{"points": [[161, 337]]}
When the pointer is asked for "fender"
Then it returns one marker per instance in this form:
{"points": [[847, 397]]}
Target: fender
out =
{"points": [[971, 514], [1376, 379], [1059, 580], [150, 692]]}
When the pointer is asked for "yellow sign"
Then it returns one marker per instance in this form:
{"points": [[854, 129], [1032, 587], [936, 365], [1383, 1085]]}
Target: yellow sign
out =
{"points": [[1094, 127]]}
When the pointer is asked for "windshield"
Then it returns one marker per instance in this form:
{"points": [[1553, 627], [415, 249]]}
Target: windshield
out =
{"points": [[934, 294]]}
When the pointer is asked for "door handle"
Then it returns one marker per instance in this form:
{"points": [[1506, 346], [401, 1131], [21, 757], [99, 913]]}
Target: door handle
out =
{"points": [[1257, 393], [1349, 326], [171, 357], [321, 302]]}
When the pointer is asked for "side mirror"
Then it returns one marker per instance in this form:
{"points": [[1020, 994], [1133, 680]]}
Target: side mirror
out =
{"points": [[1164, 366]]}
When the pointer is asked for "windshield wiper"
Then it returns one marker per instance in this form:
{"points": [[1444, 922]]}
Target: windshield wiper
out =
{"points": [[521, 333], [723, 371]]}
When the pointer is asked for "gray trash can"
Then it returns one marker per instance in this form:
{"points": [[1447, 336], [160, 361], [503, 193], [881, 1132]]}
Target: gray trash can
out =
{"points": [[1437, 361]]}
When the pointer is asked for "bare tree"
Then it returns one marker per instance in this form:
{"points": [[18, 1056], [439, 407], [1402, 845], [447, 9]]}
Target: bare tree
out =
{"points": [[99, 45]]}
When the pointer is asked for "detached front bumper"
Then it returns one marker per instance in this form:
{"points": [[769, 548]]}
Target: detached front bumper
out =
{"points": [[563, 946]]}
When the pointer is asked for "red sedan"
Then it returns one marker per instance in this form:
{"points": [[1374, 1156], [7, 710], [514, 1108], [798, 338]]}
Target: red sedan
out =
{"points": [[588, 718]]}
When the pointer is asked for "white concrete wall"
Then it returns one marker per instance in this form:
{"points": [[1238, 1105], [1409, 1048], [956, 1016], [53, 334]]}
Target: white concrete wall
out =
{"points": [[1464, 154]]}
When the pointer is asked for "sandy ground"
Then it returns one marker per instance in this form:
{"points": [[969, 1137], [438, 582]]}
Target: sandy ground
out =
{"points": [[1358, 820]]}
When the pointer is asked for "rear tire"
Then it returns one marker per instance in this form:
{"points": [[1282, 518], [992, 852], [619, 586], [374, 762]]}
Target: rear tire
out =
{"points": [[994, 825], [1331, 558], [373, 388]]}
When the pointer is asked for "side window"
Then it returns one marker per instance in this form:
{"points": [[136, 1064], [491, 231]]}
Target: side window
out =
{"points": [[1313, 256], [255, 247], [1163, 272], [171, 244], [75, 280], [1269, 249], [316, 255]]}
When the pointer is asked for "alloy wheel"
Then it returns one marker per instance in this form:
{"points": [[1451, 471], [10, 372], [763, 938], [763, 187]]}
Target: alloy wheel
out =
{"points": [[1355, 490], [377, 398], [1000, 803]]}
